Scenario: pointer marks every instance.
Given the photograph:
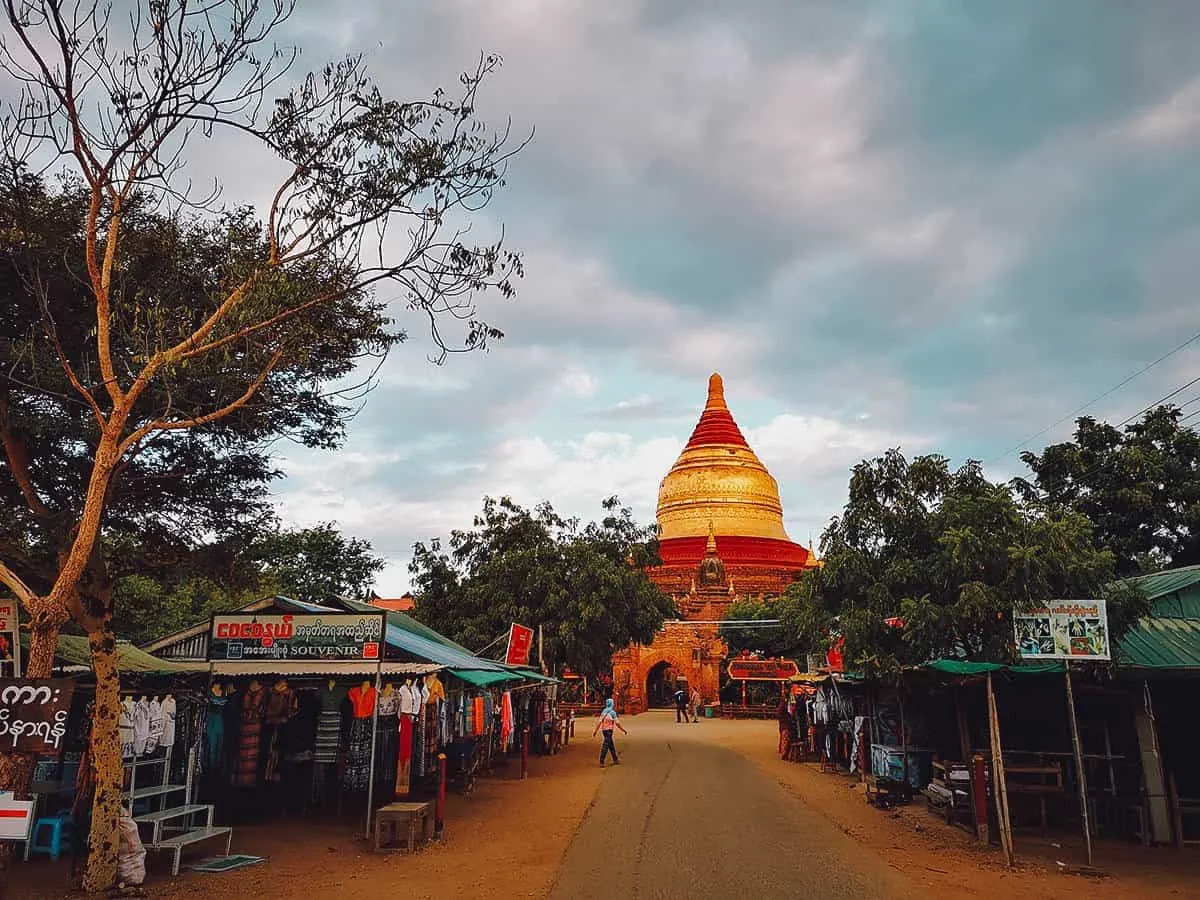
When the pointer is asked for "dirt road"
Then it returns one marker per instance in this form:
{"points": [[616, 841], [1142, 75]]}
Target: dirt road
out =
{"points": [[683, 816]]}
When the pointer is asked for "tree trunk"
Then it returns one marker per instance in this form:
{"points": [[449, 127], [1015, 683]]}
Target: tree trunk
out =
{"points": [[16, 769], [105, 748]]}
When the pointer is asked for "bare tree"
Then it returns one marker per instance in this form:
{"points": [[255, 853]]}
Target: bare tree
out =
{"points": [[374, 194]]}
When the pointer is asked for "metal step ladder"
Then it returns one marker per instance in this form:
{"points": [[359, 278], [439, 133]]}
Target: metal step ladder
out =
{"points": [[173, 827]]}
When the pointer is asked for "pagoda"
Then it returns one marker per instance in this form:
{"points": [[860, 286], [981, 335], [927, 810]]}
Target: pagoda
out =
{"points": [[721, 537]]}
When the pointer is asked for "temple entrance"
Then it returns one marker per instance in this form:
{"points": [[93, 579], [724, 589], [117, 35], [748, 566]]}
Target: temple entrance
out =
{"points": [[661, 683]]}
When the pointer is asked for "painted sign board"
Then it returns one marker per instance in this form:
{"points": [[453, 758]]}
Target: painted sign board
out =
{"points": [[345, 637], [520, 643], [1066, 629]]}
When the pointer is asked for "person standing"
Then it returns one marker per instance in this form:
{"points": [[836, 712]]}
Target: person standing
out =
{"points": [[606, 723], [694, 701], [681, 697]]}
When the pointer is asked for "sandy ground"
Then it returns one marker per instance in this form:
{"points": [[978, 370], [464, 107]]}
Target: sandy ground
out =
{"points": [[944, 862], [506, 840], [705, 810]]}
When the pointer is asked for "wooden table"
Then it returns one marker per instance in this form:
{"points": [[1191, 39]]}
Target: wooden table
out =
{"points": [[394, 815]]}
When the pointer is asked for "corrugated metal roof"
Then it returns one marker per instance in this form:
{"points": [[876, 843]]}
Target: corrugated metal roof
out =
{"points": [[1162, 643], [1159, 584], [400, 635], [74, 652]]}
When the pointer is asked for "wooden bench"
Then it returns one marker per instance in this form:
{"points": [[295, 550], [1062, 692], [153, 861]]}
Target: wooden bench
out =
{"points": [[392, 817]]}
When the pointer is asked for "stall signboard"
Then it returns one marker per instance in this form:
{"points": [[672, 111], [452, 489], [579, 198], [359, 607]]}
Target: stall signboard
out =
{"points": [[9, 647], [1069, 629], [520, 643], [16, 819], [33, 714], [346, 637], [743, 669]]}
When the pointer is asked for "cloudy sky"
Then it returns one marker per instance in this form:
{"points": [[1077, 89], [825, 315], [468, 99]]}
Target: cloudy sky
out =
{"points": [[935, 225]]}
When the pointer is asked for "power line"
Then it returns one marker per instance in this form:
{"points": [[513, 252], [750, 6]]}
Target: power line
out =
{"points": [[1112, 390], [1161, 401]]}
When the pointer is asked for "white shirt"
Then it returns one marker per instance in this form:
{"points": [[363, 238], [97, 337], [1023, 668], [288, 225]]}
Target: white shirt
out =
{"points": [[157, 726], [168, 712], [410, 700], [141, 726], [125, 728]]}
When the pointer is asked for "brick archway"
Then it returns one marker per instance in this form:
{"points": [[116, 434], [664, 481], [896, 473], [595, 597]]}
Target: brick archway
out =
{"points": [[693, 653]]}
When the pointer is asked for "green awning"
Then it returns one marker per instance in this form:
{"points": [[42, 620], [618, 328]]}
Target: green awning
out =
{"points": [[484, 679], [73, 651], [963, 667]]}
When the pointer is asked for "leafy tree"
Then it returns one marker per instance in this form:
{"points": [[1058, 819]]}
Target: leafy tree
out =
{"points": [[316, 564], [773, 642], [1139, 485], [311, 564], [951, 555], [164, 343], [586, 587]]}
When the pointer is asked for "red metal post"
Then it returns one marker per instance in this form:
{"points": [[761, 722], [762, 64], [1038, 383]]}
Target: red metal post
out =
{"points": [[439, 811], [524, 752]]}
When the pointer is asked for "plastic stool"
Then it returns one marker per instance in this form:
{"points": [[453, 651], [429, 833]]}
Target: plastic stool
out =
{"points": [[60, 828]]}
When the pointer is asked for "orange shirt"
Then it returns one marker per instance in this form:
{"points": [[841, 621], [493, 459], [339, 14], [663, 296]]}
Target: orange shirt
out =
{"points": [[362, 701]]}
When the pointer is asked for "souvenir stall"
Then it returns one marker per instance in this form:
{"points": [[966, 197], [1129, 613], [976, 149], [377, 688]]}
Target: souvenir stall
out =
{"points": [[306, 712]]}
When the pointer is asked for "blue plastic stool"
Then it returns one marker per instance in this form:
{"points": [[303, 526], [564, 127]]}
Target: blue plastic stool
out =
{"points": [[61, 829]]}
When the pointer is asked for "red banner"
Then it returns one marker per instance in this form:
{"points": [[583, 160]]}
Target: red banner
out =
{"points": [[520, 642], [762, 669]]}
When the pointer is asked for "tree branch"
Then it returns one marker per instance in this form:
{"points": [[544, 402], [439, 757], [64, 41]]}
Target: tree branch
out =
{"points": [[12, 581]]}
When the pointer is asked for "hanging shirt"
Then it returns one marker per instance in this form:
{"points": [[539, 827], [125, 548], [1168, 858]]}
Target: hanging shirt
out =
{"points": [[437, 691], [125, 728], [389, 703], [157, 725], [168, 712], [141, 726], [362, 701], [477, 716], [410, 700]]}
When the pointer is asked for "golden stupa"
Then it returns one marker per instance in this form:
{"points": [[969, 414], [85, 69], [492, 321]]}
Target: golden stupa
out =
{"points": [[719, 485]]}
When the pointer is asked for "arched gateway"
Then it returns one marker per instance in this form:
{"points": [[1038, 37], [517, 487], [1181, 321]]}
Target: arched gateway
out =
{"points": [[721, 537]]}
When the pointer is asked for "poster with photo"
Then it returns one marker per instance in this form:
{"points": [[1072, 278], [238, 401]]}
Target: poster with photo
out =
{"points": [[1074, 629]]}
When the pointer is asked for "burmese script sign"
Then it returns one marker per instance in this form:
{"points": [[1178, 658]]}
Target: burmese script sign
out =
{"points": [[762, 669], [33, 714], [1069, 629], [520, 643], [349, 637]]}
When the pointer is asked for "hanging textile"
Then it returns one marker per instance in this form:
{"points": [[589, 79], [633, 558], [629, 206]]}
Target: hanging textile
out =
{"points": [[156, 726], [387, 741], [404, 757], [141, 726], [168, 714], [506, 720], [214, 733], [125, 728], [281, 705], [356, 775], [253, 703], [329, 723], [477, 726], [418, 755]]}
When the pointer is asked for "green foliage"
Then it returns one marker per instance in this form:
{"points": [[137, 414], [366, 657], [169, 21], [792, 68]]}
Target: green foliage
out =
{"points": [[953, 555], [315, 564], [779, 641], [312, 564], [585, 586], [1140, 486]]}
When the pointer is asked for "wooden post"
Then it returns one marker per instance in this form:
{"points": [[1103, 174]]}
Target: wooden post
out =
{"points": [[439, 815], [979, 804], [903, 735], [743, 693], [1080, 775], [524, 752], [964, 746], [1000, 789]]}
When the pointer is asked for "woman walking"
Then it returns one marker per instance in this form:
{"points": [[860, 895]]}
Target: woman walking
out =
{"points": [[606, 723]]}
